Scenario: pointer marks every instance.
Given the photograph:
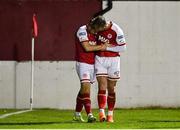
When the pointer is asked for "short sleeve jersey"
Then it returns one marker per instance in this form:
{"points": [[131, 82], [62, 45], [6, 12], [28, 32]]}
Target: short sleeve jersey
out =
{"points": [[83, 35], [113, 35]]}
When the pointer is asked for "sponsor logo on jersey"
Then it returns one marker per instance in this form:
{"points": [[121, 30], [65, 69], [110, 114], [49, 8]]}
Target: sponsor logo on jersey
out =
{"points": [[102, 39], [82, 33], [120, 37], [109, 36]]}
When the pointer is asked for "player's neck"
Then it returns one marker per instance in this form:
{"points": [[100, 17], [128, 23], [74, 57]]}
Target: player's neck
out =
{"points": [[90, 30], [108, 25]]}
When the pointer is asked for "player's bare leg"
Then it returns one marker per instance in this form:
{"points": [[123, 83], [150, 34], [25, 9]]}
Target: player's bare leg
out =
{"points": [[102, 86], [111, 99]]}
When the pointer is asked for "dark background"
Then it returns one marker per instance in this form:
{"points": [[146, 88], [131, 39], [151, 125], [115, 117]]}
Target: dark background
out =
{"points": [[57, 20]]}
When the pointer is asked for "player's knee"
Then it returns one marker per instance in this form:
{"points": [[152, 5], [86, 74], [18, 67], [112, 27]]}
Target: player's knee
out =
{"points": [[85, 88], [112, 83], [111, 86], [102, 83], [102, 86], [111, 89]]}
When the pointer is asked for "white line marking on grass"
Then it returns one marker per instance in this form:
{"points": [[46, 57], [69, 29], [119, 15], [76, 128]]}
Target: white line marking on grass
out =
{"points": [[13, 113]]}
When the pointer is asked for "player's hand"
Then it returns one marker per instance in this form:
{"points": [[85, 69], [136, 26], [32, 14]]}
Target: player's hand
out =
{"points": [[108, 45], [103, 47]]}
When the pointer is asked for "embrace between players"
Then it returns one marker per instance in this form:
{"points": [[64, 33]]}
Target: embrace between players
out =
{"points": [[98, 47]]}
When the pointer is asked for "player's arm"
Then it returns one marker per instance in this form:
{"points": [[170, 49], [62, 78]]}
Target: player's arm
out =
{"points": [[120, 40], [83, 38], [117, 48], [88, 47]]}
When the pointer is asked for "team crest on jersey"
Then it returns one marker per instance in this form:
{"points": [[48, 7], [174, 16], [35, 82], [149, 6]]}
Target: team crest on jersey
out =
{"points": [[109, 36]]}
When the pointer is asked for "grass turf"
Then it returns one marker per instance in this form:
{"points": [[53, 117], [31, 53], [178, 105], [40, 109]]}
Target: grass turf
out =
{"points": [[124, 118], [5, 111]]}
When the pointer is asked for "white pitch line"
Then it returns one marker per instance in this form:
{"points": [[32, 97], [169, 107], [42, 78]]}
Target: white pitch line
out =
{"points": [[13, 113]]}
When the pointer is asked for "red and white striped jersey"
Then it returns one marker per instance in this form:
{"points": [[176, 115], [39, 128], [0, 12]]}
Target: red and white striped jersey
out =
{"points": [[83, 35], [113, 35]]}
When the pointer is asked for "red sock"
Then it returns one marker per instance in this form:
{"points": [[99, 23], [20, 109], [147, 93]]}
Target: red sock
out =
{"points": [[102, 99], [79, 103], [111, 101], [87, 102]]}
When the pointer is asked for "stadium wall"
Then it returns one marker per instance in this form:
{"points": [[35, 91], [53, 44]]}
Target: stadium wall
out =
{"points": [[150, 68]]}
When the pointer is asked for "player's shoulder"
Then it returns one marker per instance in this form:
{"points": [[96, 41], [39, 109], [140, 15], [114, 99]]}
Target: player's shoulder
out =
{"points": [[115, 27], [82, 28], [82, 31]]}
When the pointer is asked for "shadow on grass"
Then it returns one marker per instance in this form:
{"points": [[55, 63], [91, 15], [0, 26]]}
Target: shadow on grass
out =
{"points": [[173, 127], [158, 121], [161, 121], [37, 123]]}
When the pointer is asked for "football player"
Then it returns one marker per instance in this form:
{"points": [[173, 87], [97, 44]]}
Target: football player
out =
{"points": [[107, 66]]}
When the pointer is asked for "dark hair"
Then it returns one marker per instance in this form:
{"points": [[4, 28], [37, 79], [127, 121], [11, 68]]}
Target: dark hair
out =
{"points": [[97, 22]]}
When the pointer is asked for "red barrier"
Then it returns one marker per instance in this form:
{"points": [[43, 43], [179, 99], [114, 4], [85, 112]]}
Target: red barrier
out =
{"points": [[57, 21]]}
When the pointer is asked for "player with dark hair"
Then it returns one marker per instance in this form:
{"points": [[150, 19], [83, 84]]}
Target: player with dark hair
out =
{"points": [[107, 66]]}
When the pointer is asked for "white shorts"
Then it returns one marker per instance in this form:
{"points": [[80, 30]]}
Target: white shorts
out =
{"points": [[85, 72], [108, 66]]}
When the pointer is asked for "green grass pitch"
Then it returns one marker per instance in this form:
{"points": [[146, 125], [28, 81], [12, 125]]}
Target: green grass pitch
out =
{"points": [[124, 118]]}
